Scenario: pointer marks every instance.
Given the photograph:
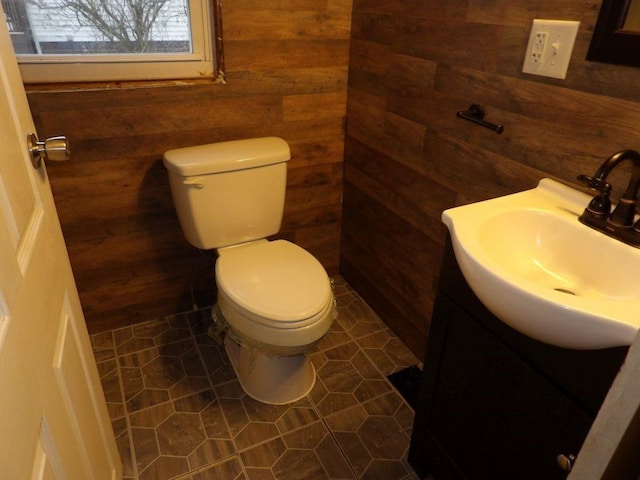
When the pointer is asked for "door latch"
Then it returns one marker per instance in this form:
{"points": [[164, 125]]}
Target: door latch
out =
{"points": [[54, 149]]}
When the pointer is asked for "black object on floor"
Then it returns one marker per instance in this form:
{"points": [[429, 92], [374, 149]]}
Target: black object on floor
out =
{"points": [[407, 382]]}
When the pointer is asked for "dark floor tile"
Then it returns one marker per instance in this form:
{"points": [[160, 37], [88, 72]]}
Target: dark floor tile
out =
{"points": [[180, 434], [340, 376], [307, 437], [179, 412], [335, 402], [229, 469], [299, 465], [384, 470], [333, 460], [259, 473], [211, 452], [355, 452], [264, 455], [123, 442], [153, 416], [383, 437], [145, 446], [165, 468]]}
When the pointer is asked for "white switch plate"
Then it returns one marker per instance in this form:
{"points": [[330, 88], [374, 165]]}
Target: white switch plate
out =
{"points": [[550, 46]]}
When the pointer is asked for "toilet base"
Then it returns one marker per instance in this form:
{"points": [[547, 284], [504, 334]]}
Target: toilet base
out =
{"points": [[270, 379]]}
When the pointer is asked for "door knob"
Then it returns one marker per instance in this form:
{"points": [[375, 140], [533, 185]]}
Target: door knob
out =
{"points": [[54, 149]]}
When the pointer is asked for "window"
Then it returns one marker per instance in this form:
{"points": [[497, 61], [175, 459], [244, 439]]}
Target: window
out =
{"points": [[95, 40]]}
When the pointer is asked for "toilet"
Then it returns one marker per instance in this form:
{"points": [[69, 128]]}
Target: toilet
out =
{"points": [[275, 297]]}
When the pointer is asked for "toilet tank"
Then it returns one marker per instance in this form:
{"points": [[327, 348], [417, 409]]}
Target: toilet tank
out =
{"points": [[230, 192]]}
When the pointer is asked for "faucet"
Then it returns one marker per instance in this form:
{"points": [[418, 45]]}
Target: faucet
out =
{"points": [[620, 223]]}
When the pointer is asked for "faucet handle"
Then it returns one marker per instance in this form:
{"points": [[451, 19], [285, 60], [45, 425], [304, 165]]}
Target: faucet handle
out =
{"points": [[595, 183], [599, 206]]}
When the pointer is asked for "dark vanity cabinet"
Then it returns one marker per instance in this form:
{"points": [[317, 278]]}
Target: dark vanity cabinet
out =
{"points": [[495, 404]]}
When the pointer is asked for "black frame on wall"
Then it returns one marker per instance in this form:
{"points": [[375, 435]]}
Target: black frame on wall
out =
{"points": [[611, 44]]}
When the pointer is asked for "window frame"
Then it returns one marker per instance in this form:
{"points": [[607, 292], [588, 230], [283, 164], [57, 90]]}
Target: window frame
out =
{"points": [[206, 61]]}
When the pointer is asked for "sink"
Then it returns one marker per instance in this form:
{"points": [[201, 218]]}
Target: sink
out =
{"points": [[542, 272]]}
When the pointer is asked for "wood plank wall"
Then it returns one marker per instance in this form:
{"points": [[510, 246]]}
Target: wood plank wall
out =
{"points": [[286, 63], [414, 63]]}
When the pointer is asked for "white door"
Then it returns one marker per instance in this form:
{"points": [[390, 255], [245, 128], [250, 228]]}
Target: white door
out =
{"points": [[54, 422]]}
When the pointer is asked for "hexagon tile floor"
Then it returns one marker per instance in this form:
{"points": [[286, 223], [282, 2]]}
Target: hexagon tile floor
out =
{"points": [[178, 411]]}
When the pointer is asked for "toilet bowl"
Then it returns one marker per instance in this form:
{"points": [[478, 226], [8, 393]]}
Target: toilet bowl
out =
{"points": [[277, 301], [274, 297]]}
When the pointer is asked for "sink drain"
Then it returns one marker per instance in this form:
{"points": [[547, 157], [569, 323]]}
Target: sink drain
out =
{"points": [[564, 290]]}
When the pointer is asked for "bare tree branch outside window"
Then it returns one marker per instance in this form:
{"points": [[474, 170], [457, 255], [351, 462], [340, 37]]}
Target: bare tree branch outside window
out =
{"points": [[122, 26]]}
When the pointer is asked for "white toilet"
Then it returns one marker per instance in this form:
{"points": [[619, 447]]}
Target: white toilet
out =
{"points": [[275, 296]]}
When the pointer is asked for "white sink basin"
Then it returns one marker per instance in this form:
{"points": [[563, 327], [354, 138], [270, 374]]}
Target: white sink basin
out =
{"points": [[542, 272]]}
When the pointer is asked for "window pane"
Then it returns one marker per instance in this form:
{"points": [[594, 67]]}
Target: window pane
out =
{"points": [[72, 27]]}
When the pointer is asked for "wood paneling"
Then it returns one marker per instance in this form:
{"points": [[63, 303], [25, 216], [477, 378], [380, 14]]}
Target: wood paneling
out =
{"points": [[413, 64], [286, 63]]}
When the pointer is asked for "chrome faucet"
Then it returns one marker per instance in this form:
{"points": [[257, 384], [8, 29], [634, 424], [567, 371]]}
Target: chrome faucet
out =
{"points": [[620, 223]]}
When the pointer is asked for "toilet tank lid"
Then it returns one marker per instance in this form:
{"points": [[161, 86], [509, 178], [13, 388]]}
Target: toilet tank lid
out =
{"points": [[227, 156]]}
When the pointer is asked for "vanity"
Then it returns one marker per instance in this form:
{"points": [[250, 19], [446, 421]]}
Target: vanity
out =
{"points": [[495, 403], [533, 317]]}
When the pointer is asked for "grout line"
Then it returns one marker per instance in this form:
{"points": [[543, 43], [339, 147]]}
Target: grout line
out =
{"points": [[125, 410], [217, 401], [329, 430], [339, 447]]}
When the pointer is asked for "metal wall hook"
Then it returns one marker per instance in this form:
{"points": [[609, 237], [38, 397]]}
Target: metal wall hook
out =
{"points": [[55, 149], [475, 114]]}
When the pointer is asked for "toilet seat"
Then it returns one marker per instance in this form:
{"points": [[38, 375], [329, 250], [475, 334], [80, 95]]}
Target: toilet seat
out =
{"points": [[278, 284]]}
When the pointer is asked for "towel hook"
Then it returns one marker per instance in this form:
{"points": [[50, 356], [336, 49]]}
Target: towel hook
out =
{"points": [[475, 114]]}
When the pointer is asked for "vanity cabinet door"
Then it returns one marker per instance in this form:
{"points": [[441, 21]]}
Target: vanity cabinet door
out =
{"points": [[492, 413]]}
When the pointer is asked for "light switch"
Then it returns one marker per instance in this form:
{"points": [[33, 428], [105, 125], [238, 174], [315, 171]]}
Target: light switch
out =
{"points": [[550, 46]]}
